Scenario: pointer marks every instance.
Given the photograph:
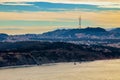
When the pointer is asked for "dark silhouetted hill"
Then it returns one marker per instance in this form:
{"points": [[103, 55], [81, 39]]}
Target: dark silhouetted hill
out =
{"points": [[35, 52], [116, 30]]}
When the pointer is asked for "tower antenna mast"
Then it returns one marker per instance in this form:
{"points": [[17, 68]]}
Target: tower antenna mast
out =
{"points": [[80, 22]]}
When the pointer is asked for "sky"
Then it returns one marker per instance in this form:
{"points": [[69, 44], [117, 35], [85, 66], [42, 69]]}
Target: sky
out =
{"points": [[38, 16]]}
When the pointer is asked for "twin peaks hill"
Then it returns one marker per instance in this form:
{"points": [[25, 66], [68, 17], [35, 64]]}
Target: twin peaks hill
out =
{"points": [[86, 33]]}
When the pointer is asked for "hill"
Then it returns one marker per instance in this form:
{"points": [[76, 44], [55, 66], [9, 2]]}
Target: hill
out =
{"points": [[35, 52], [116, 30], [3, 36], [65, 35], [74, 32]]}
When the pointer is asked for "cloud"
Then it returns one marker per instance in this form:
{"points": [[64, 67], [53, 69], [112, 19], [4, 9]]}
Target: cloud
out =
{"points": [[60, 0], [56, 7], [110, 6], [15, 4], [105, 18], [38, 16], [25, 30], [11, 28], [91, 2]]}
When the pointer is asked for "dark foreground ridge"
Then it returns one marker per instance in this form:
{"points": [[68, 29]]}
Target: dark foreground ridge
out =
{"points": [[35, 52]]}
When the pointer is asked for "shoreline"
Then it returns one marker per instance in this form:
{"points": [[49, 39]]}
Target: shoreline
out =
{"points": [[94, 70], [51, 64]]}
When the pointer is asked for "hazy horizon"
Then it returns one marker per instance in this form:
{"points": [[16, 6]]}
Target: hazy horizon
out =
{"points": [[107, 29]]}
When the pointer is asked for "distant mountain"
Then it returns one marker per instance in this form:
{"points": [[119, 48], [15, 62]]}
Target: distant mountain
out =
{"points": [[3, 36], [117, 30], [65, 34], [75, 33]]}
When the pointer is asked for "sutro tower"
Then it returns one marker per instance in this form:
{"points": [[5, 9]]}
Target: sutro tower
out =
{"points": [[80, 22]]}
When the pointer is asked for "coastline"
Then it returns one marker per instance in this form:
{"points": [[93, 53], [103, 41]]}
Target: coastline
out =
{"points": [[94, 70], [52, 64]]}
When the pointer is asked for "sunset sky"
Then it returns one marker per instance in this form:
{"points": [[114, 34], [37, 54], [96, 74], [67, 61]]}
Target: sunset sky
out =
{"points": [[38, 16]]}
